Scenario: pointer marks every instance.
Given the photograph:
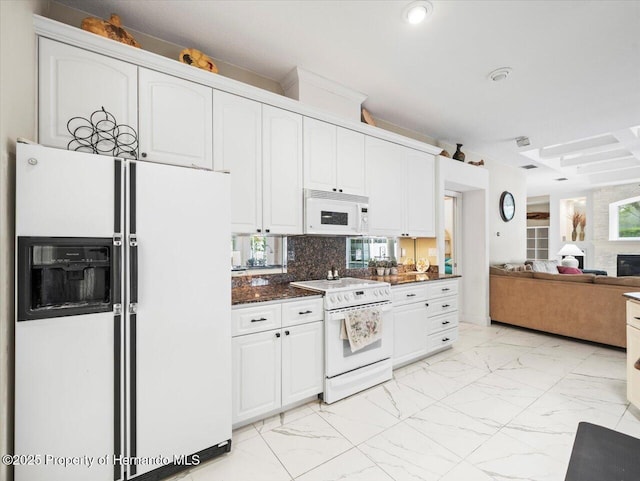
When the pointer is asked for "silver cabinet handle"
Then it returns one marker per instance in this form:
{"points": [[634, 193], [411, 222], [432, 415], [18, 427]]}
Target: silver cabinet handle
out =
{"points": [[302, 313], [259, 320]]}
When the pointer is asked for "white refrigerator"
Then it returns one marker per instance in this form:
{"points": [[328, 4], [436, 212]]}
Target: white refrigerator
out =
{"points": [[122, 333]]}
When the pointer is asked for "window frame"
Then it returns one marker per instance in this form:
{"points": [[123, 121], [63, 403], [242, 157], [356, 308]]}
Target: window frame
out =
{"points": [[614, 220]]}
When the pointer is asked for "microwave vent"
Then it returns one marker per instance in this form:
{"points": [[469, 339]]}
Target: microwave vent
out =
{"points": [[323, 194]]}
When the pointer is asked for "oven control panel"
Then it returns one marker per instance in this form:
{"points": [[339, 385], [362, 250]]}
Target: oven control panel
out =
{"points": [[357, 297]]}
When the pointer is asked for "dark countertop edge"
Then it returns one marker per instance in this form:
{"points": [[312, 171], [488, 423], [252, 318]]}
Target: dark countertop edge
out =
{"points": [[632, 295]]}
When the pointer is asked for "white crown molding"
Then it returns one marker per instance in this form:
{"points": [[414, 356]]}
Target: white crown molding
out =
{"points": [[77, 37], [297, 75]]}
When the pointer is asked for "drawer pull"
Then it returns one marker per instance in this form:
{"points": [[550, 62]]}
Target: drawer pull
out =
{"points": [[637, 364], [259, 320], [637, 318], [277, 334], [445, 289], [302, 313], [444, 306], [286, 333], [426, 304], [411, 295], [445, 339], [444, 323]]}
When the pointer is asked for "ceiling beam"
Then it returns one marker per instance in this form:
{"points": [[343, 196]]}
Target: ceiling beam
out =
{"points": [[599, 157], [626, 175], [578, 146], [618, 164]]}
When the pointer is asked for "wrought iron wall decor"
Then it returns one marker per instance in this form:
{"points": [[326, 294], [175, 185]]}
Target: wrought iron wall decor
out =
{"points": [[101, 134]]}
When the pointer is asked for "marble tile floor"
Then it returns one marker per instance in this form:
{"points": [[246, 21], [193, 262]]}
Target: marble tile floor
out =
{"points": [[502, 404]]}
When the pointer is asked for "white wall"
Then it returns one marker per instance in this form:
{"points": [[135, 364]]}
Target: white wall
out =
{"points": [[17, 119]]}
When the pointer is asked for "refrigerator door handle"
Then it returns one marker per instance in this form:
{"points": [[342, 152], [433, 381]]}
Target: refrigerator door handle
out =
{"points": [[133, 272]]}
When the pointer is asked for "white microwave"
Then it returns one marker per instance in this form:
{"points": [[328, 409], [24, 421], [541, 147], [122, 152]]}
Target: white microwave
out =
{"points": [[334, 213]]}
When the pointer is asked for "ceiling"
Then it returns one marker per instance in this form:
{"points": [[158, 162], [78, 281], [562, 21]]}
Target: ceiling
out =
{"points": [[576, 65]]}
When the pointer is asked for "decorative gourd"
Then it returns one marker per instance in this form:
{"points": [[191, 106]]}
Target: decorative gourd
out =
{"points": [[194, 57], [111, 28]]}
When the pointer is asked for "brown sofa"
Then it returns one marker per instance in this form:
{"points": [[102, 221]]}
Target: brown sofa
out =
{"points": [[581, 306]]}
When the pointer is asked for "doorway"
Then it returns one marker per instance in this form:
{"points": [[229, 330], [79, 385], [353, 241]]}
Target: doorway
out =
{"points": [[452, 216]]}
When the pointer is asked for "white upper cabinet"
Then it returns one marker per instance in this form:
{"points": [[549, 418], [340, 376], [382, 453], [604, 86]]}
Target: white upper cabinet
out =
{"points": [[333, 158], [281, 171], [319, 155], [350, 168], [75, 83], [385, 184], [237, 140], [419, 193], [175, 120]]}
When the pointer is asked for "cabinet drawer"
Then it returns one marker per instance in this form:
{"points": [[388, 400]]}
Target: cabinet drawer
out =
{"points": [[443, 288], [301, 312], [255, 319], [441, 323], [407, 295], [633, 314], [442, 339], [442, 305]]}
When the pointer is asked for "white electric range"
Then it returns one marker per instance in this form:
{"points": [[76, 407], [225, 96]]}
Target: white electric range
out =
{"points": [[347, 372]]}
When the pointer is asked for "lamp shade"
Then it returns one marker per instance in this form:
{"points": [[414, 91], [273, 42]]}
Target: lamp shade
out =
{"points": [[570, 250]]}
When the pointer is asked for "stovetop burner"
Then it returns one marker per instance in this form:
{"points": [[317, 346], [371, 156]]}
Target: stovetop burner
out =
{"points": [[348, 291]]}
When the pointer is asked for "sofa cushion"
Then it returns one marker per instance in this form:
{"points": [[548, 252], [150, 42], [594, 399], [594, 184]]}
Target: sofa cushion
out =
{"points": [[550, 267], [584, 278], [631, 281], [569, 270], [497, 271]]}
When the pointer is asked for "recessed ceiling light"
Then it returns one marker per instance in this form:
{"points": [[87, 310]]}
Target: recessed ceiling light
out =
{"points": [[500, 74], [417, 12]]}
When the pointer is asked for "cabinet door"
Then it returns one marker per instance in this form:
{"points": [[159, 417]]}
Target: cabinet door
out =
{"points": [[410, 328], [256, 372], [75, 83], [385, 187], [350, 176], [237, 140], [302, 362], [419, 193], [319, 155], [175, 120], [282, 171]]}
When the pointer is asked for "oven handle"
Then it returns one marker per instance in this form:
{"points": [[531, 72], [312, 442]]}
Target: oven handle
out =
{"points": [[340, 313]]}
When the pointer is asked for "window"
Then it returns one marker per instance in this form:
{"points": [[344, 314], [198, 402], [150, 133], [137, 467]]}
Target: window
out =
{"points": [[361, 249], [624, 219]]}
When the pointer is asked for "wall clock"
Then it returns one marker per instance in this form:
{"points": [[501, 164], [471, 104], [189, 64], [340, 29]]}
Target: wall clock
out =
{"points": [[507, 206]]}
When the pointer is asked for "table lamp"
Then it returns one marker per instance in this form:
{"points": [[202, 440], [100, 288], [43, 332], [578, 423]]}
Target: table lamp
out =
{"points": [[570, 250]]}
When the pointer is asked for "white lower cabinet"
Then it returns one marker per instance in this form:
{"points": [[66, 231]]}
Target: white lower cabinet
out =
{"points": [[275, 368], [425, 319]]}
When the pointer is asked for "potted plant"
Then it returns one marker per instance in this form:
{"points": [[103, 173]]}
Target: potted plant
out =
{"points": [[387, 267], [373, 265], [583, 224], [394, 267]]}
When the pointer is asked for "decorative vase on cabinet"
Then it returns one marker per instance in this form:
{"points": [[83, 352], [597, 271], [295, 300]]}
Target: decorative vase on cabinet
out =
{"points": [[458, 154]]}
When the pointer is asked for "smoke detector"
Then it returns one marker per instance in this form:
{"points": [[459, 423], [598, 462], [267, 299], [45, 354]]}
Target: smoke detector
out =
{"points": [[500, 74]]}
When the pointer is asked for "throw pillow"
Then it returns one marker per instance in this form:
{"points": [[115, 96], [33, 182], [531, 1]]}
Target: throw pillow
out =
{"points": [[550, 267], [517, 267], [569, 270]]}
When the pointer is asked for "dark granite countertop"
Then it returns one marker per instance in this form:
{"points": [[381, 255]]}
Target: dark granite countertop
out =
{"points": [[270, 292], [273, 292], [410, 278]]}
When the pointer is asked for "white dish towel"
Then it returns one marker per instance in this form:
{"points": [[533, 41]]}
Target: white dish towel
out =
{"points": [[361, 327]]}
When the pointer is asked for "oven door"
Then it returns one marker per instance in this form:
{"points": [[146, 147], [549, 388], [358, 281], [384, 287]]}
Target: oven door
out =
{"points": [[339, 358]]}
